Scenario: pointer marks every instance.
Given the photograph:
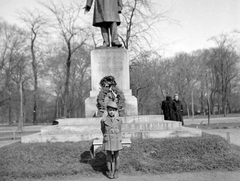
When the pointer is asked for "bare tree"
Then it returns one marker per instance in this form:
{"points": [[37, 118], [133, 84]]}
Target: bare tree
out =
{"points": [[142, 81], [73, 33], [224, 61], [16, 67], [139, 18], [164, 75], [197, 77], [79, 83], [55, 72], [36, 24], [11, 42], [20, 76]]}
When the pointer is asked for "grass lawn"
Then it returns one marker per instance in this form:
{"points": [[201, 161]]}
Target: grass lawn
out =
{"points": [[156, 156]]}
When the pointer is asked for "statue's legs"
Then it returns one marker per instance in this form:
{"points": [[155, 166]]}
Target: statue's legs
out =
{"points": [[105, 35], [114, 35]]}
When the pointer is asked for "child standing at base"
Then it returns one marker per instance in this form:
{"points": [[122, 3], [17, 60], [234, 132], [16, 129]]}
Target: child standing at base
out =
{"points": [[112, 139]]}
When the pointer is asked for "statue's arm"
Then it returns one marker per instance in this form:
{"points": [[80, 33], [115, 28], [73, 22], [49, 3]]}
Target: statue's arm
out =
{"points": [[120, 6], [88, 5]]}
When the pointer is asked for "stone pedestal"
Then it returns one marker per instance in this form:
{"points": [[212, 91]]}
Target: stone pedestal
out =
{"points": [[115, 62]]}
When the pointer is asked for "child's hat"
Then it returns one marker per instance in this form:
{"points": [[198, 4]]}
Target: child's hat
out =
{"points": [[112, 105]]}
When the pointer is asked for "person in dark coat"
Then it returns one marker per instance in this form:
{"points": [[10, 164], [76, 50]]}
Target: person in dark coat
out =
{"points": [[167, 107], [106, 16], [112, 139], [178, 109]]}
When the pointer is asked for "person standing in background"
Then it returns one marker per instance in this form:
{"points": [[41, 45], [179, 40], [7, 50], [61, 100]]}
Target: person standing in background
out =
{"points": [[167, 107], [178, 109]]}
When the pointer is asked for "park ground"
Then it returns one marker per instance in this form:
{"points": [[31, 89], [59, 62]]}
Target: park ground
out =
{"points": [[196, 176]]}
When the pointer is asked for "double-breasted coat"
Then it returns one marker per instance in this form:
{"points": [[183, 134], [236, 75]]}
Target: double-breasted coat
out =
{"points": [[105, 11], [112, 136], [178, 109], [167, 107]]}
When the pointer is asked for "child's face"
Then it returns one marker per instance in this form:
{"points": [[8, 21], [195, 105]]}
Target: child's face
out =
{"points": [[111, 111]]}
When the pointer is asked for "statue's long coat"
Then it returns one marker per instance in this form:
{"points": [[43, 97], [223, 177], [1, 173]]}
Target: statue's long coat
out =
{"points": [[105, 11]]}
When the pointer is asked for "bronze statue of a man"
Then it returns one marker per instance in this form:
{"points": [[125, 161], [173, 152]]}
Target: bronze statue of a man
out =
{"points": [[106, 16]]}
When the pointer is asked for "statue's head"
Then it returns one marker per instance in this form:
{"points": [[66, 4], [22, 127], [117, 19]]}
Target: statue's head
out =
{"points": [[108, 82]]}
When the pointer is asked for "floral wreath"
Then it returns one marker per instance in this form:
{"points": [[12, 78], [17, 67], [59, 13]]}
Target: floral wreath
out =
{"points": [[109, 90]]}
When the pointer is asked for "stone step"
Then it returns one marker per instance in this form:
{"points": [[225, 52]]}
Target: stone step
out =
{"points": [[127, 119], [60, 129], [180, 132], [153, 126], [43, 138]]}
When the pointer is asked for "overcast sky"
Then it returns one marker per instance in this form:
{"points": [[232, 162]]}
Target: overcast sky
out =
{"points": [[198, 20]]}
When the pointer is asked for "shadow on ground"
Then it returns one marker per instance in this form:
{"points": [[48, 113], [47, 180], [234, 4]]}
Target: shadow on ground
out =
{"points": [[98, 163]]}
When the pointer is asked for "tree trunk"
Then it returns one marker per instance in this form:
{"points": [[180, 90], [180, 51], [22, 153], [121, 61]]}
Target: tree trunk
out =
{"points": [[8, 96], [212, 103], [35, 77], [229, 107], [66, 91], [224, 104], [192, 105], [209, 112], [202, 102], [188, 112], [56, 108], [223, 90], [10, 111], [20, 120], [208, 101], [35, 101], [219, 108]]}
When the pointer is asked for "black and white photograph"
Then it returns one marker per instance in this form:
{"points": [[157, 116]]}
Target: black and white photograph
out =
{"points": [[128, 90]]}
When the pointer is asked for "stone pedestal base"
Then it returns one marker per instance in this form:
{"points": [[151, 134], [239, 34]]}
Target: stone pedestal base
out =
{"points": [[131, 106], [114, 62], [90, 107]]}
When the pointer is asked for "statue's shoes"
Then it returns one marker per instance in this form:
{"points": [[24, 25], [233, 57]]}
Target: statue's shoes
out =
{"points": [[104, 46], [116, 45]]}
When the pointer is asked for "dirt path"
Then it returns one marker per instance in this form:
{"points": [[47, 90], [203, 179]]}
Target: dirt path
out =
{"points": [[200, 176]]}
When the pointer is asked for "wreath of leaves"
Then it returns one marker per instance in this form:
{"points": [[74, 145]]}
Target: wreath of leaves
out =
{"points": [[110, 80]]}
